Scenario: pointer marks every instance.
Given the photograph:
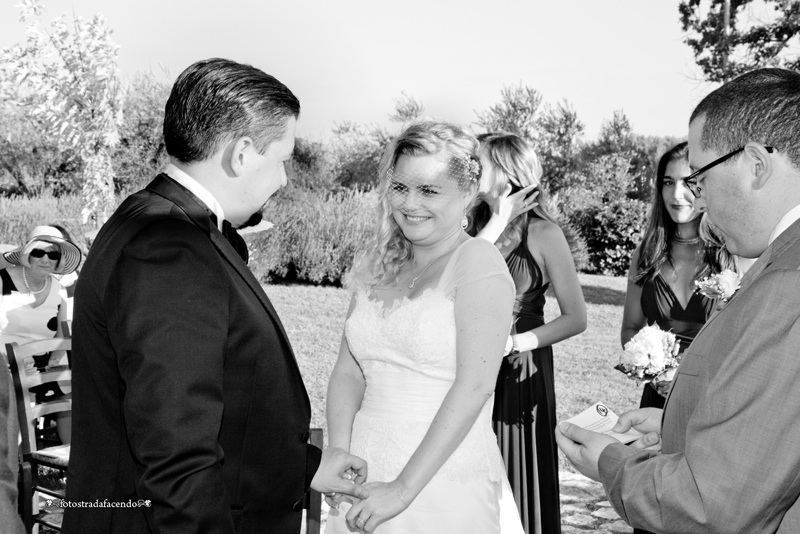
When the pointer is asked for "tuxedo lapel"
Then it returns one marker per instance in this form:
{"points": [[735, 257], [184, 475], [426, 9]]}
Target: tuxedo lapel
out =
{"points": [[164, 186]]}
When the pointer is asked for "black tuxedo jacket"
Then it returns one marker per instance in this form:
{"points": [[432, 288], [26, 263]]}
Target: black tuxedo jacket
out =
{"points": [[189, 411]]}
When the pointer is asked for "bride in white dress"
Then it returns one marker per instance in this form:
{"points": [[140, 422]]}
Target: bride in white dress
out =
{"points": [[412, 389]]}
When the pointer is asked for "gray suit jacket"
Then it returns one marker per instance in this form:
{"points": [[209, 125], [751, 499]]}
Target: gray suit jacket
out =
{"points": [[730, 458]]}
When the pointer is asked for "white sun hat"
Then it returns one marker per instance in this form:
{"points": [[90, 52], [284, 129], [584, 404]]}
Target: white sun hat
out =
{"points": [[70, 254]]}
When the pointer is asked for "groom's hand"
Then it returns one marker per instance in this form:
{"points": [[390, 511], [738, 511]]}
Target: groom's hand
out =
{"points": [[582, 447], [340, 472], [646, 421]]}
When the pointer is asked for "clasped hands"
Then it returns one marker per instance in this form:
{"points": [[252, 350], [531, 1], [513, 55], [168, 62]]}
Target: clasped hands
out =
{"points": [[341, 477], [583, 447], [386, 500]]}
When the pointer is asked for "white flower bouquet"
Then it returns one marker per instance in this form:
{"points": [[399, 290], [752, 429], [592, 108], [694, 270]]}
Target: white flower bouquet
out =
{"points": [[650, 356], [721, 285]]}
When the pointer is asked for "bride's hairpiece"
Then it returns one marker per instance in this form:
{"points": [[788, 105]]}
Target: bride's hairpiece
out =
{"points": [[473, 168]]}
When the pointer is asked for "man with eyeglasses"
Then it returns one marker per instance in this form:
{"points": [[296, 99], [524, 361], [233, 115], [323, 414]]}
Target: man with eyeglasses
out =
{"points": [[729, 439]]}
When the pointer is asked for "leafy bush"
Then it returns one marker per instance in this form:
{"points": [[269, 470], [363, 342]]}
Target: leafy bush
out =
{"points": [[310, 167], [21, 214], [612, 231], [315, 237], [354, 154], [597, 204], [577, 244], [30, 161], [141, 152]]}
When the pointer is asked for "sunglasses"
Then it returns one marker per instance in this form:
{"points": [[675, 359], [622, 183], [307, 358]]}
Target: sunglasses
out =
{"points": [[691, 180], [54, 255]]}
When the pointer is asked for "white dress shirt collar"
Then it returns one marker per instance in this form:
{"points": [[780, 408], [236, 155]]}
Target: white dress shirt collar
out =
{"points": [[203, 194], [786, 221]]}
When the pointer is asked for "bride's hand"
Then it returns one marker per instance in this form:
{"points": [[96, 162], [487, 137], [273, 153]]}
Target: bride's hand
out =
{"points": [[385, 501]]}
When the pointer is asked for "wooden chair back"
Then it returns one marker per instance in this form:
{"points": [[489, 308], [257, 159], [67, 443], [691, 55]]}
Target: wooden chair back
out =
{"points": [[25, 377], [29, 410]]}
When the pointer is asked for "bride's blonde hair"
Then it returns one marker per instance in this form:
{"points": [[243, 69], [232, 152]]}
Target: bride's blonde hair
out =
{"points": [[389, 249]]}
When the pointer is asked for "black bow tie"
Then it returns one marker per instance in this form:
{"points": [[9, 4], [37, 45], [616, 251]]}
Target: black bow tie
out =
{"points": [[228, 231], [236, 241]]}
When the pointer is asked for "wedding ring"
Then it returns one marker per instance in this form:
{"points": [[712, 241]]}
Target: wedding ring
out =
{"points": [[360, 521]]}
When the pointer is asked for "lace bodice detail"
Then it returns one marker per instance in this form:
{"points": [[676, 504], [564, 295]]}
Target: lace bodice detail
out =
{"points": [[414, 335], [408, 355]]}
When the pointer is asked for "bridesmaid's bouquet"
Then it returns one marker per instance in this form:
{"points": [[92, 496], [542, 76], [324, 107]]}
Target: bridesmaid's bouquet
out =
{"points": [[721, 285], [650, 356]]}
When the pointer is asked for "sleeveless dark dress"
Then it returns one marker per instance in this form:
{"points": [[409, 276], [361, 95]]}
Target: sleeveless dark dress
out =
{"points": [[524, 414], [661, 306]]}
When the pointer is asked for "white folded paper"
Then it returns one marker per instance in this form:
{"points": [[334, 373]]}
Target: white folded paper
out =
{"points": [[599, 418]]}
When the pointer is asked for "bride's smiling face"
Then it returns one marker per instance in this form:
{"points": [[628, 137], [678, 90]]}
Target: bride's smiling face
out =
{"points": [[426, 200]]}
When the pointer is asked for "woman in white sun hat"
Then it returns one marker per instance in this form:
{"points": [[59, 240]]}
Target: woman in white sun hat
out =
{"points": [[32, 304]]}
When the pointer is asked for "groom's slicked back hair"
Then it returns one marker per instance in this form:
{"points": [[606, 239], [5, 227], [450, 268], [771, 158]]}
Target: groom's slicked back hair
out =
{"points": [[762, 106], [216, 100]]}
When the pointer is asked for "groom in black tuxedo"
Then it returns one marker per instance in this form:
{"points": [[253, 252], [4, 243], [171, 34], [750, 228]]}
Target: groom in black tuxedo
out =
{"points": [[187, 399]]}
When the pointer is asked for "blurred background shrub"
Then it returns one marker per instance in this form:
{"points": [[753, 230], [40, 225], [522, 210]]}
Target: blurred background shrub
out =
{"points": [[315, 237]]}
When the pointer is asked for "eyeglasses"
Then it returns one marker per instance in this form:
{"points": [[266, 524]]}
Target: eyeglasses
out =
{"points": [[691, 180], [54, 255]]}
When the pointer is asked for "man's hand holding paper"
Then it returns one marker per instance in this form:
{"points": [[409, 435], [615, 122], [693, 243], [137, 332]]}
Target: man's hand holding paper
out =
{"points": [[584, 437]]}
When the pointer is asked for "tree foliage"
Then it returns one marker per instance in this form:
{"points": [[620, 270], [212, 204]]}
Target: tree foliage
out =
{"points": [[30, 159], [617, 138], [406, 108], [515, 113], [761, 33], [559, 133], [141, 152], [65, 75], [355, 152]]}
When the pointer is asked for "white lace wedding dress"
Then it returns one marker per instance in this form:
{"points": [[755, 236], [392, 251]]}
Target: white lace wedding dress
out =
{"points": [[408, 355]]}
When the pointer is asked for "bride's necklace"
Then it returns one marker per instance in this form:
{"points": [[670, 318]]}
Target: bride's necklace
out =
{"points": [[28, 287], [415, 278]]}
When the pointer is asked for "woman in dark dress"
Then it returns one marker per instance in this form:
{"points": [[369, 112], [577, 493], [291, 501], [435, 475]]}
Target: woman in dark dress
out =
{"points": [[538, 257], [677, 249]]}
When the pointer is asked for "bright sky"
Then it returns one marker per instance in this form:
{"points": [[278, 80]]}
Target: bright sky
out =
{"points": [[349, 59]]}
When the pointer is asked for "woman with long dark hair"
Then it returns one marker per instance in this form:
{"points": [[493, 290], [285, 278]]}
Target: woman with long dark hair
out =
{"points": [[678, 248]]}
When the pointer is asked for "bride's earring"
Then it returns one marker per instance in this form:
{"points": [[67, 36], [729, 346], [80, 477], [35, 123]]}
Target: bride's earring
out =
{"points": [[464, 220]]}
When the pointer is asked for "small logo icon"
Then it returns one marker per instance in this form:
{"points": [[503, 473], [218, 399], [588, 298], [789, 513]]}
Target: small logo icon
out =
{"points": [[602, 410], [49, 502]]}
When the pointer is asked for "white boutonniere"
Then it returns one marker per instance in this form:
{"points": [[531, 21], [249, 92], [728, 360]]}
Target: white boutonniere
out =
{"points": [[721, 285]]}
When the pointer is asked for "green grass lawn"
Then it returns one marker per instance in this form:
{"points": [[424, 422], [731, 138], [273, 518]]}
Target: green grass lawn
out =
{"points": [[314, 318]]}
